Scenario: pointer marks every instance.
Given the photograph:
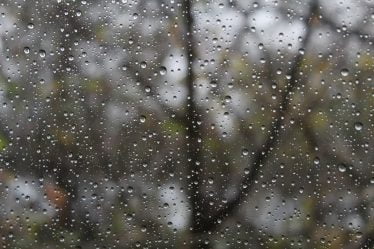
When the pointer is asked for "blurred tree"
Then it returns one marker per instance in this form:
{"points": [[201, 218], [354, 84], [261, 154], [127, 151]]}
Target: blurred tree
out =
{"points": [[186, 124]]}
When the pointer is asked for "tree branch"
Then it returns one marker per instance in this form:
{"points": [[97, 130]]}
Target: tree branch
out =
{"points": [[366, 242], [193, 133], [261, 154], [361, 36]]}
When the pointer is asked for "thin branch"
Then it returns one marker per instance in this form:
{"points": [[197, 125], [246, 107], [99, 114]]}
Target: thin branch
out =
{"points": [[193, 133], [168, 110], [366, 242], [327, 153], [338, 29], [262, 154], [357, 33]]}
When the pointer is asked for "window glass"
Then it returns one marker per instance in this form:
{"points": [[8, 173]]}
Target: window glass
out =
{"points": [[187, 124]]}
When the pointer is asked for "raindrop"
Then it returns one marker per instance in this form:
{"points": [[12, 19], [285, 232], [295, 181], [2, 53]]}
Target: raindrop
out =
{"points": [[142, 118], [163, 70], [344, 72], [143, 64], [227, 99], [342, 168], [213, 84], [26, 50], [358, 126], [42, 53], [130, 189]]}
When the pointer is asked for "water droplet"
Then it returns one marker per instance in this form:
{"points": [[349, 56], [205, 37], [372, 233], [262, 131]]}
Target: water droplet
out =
{"points": [[344, 72], [143, 64], [358, 126], [130, 189], [142, 118], [26, 50], [213, 84], [342, 168], [163, 70], [359, 235], [42, 53]]}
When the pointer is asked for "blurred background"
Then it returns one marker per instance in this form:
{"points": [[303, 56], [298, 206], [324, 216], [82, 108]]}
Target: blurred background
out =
{"points": [[186, 124]]}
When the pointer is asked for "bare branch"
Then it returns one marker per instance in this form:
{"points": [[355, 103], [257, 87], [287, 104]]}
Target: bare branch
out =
{"points": [[327, 152], [193, 134], [366, 242], [357, 33], [261, 155]]}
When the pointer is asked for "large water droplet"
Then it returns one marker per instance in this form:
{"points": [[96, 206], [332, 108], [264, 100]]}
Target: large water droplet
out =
{"points": [[26, 50], [358, 126], [344, 72], [143, 64], [163, 70], [342, 168], [142, 118]]}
